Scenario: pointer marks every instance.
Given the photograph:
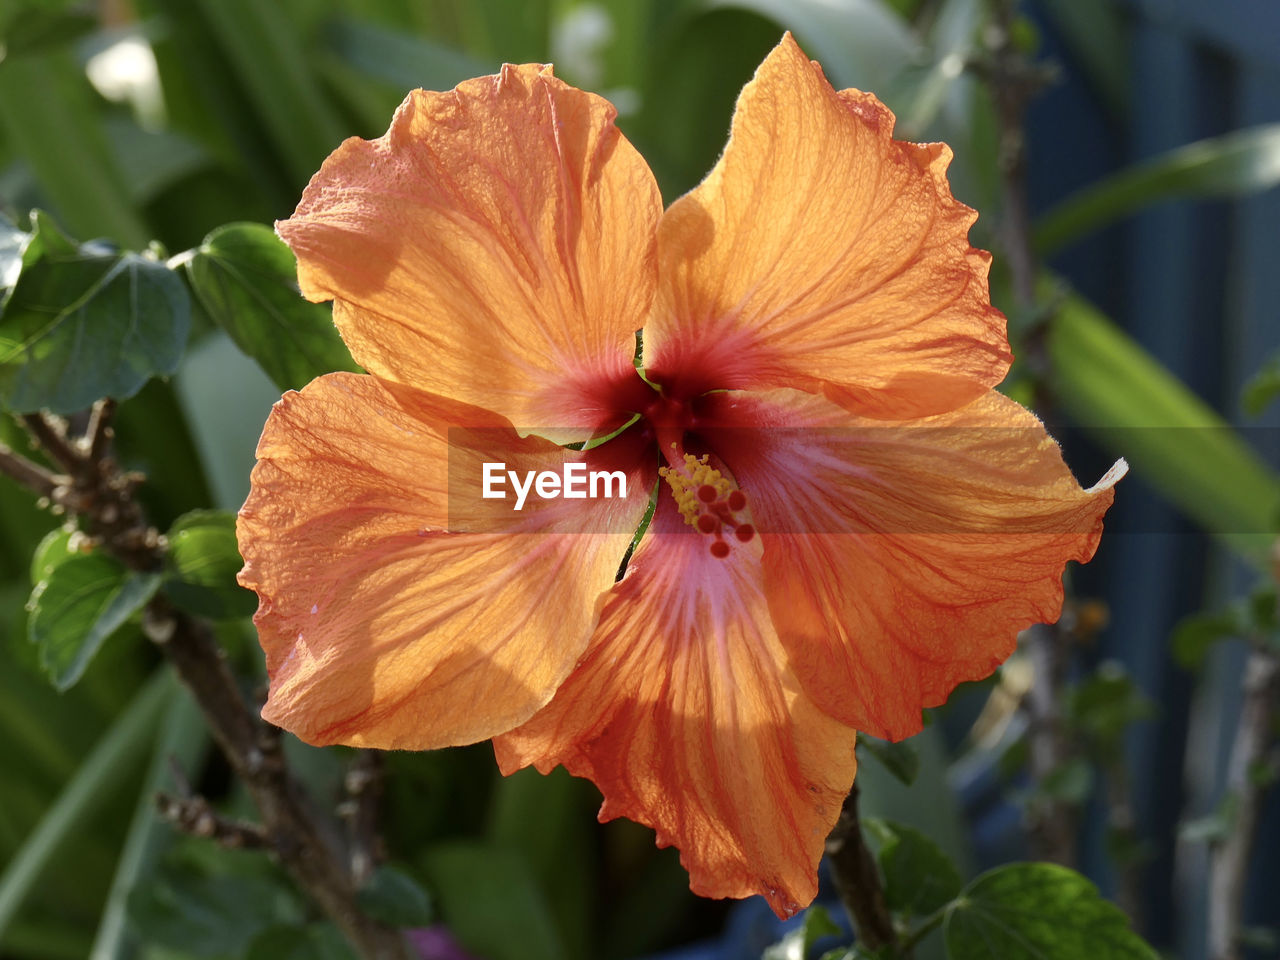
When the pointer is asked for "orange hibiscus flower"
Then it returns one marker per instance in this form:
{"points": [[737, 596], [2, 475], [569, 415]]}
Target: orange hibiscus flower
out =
{"points": [[848, 520]]}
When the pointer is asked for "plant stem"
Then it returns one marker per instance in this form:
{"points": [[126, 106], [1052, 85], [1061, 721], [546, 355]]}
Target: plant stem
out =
{"points": [[51, 436], [293, 827], [307, 844], [29, 473], [1053, 826], [930, 923], [99, 434], [1247, 781], [363, 786], [857, 878], [1014, 81]]}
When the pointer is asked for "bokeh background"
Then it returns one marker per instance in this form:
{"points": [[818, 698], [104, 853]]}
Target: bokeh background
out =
{"points": [[1158, 338]]}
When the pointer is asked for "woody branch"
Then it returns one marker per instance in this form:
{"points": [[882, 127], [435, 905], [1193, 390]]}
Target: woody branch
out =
{"points": [[1015, 80], [857, 878], [93, 487], [1253, 766]]}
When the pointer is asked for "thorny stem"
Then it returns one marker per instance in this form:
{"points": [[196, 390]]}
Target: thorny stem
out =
{"points": [[51, 434], [194, 814], [363, 786], [1124, 828], [293, 831], [1014, 81], [857, 878], [28, 473], [100, 432], [1247, 780], [1053, 821]]}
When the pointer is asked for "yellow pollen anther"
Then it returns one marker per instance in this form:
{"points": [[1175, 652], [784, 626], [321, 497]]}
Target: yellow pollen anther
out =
{"points": [[708, 502], [685, 482]]}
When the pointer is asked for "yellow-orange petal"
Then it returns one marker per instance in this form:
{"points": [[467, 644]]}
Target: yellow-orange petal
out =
{"points": [[495, 246], [823, 255], [902, 559], [380, 628], [684, 713]]}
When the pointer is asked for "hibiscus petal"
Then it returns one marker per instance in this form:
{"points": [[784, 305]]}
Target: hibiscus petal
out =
{"points": [[684, 713], [380, 628], [823, 255], [903, 559], [495, 246]]}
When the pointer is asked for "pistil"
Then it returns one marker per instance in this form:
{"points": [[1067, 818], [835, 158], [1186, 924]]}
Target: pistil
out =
{"points": [[706, 499]]}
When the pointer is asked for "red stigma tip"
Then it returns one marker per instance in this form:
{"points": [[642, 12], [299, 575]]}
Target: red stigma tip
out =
{"points": [[719, 549], [744, 532], [707, 493], [707, 523], [737, 500]]}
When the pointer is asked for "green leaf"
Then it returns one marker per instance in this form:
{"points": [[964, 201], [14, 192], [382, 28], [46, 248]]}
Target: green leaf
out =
{"points": [[1097, 34], [1014, 759], [924, 92], [84, 323], [155, 159], [111, 763], [58, 546], [1264, 608], [1196, 633], [393, 897], [46, 240], [860, 43], [1038, 911], [246, 279], [918, 877], [12, 242], [182, 741], [272, 64], [210, 909], [817, 923], [1132, 405], [34, 29], [59, 134], [314, 942], [1262, 388], [1234, 165], [1260, 938], [78, 606], [201, 567], [900, 759], [488, 897], [1070, 782], [1214, 826], [1104, 704], [401, 59], [1126, 848], [547, 819]]}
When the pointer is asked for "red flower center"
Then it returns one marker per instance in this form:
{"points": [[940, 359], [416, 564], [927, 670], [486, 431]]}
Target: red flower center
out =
{"points": [[707, 499]]}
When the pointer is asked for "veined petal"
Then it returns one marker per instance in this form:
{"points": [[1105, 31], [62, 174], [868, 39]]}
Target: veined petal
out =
{"points": [[902, 559], [380, 628], [684, 713], [495, 246], [823, 255]]}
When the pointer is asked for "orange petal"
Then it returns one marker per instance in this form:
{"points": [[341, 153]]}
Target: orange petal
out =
{"points": [[382, 630], [903, 559], [684, 713], [495, 246], [822, 254]]}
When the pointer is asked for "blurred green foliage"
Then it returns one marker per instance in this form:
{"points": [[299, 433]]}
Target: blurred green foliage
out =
{"points": [[164, 135]]}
